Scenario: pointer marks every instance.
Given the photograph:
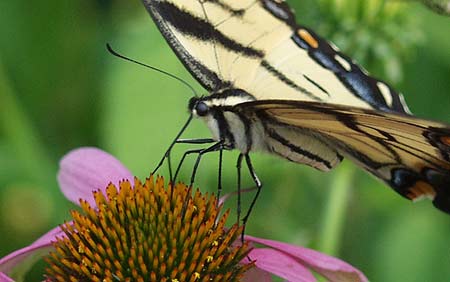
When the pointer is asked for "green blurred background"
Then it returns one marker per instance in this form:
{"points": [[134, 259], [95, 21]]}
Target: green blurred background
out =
{"points": [[60, 89]]}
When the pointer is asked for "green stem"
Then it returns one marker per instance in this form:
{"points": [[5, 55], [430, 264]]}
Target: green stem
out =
{"points": [[334, 216]]}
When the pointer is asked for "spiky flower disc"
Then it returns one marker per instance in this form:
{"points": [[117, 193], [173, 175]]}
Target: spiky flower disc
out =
{"points": [[148, 233]]}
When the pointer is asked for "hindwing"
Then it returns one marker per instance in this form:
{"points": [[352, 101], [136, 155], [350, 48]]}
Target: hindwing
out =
{"points": [[411, 155]]}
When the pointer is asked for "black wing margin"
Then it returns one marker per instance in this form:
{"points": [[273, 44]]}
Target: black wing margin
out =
{"points": [[166, 15]]}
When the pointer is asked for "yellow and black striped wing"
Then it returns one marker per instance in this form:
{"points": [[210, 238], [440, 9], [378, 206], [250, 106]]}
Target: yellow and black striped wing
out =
{"points": [[411, 155], [257, 46]]}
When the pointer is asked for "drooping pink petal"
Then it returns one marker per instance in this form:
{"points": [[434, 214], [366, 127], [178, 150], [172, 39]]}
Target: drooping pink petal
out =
{"points": [[331, 268], [27, 255], [5, 278], [87, 169], [281, 265]]}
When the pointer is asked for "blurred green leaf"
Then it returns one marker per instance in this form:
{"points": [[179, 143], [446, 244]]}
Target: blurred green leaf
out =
{"points": [[439, 6]]}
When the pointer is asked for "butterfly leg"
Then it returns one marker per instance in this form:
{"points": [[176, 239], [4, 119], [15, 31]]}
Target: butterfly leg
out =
{"points": [[167, 153], [219, 180], [239, 166], [258, 184], [214, 148], [219, 175], [189, 152], [194, 151]]}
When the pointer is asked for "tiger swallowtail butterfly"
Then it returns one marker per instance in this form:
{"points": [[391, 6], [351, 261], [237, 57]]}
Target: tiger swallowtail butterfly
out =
{"points": [[277, 87]]}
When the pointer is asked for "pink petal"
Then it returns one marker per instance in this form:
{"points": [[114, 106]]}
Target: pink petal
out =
{"points": [[5, 278], [87, 169], [50, 236], [31, 253], [281, 264], [256, 274], [332, 268]]}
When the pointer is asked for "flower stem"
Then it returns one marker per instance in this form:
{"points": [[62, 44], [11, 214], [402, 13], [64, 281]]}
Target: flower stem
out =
{"points": [[334, 216]]}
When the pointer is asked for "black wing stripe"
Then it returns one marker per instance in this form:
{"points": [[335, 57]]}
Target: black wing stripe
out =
{"points": [[316, 85], [226, 7], [208, 78], [272, 134], [413, 151], [396, 157], [352, 123], [390, 136], [389, 153], [191, 25], [273, 150], [281, 77]]}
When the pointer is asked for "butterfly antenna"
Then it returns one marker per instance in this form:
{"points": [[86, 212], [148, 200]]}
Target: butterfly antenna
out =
{"points": [[113, 52]]}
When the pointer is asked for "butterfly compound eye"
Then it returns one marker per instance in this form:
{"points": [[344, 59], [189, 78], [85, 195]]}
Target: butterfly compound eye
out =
{"points": [[202, 109]]}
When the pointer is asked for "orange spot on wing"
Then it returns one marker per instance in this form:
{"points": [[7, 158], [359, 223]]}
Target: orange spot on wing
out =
{"points": [[446, 140], [305, 35], [421, 190]]}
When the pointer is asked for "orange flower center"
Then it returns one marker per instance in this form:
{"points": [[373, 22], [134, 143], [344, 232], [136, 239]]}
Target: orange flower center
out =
{"points": [[148, 233]]}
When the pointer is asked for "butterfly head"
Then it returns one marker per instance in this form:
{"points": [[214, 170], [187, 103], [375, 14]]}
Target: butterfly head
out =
{"points": [[218, 112], [219, 101], [198, 107], [202, 107]]}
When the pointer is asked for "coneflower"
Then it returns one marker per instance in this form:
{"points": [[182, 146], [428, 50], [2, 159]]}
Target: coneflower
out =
{"points": [[148, 233]]}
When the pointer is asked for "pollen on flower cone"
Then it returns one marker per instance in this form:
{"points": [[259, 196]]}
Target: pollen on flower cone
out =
{"points": [[148, 232]]}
